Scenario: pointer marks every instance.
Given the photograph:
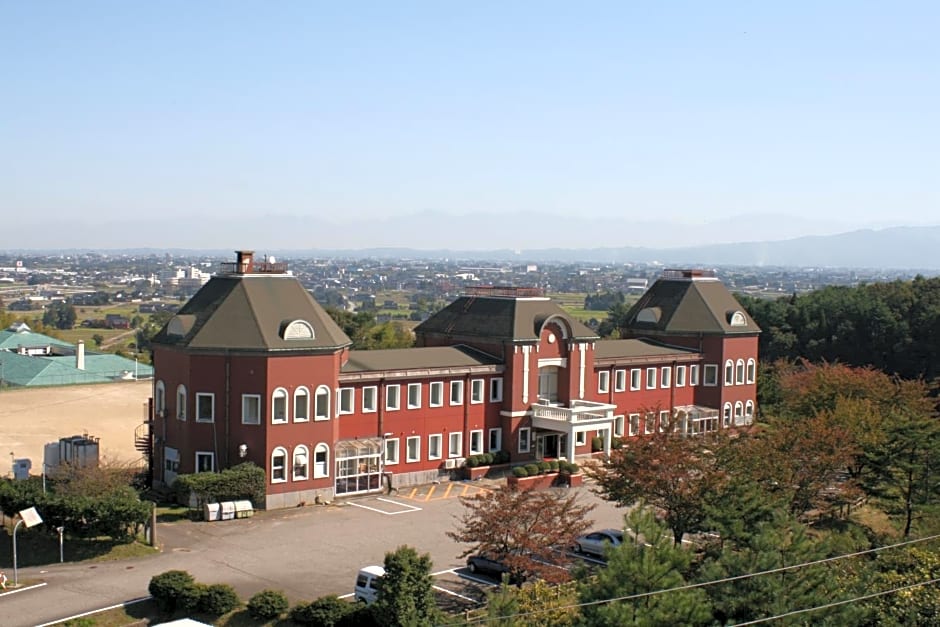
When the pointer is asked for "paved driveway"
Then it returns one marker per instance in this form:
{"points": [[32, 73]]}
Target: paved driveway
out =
{"points": [[305, 552]]}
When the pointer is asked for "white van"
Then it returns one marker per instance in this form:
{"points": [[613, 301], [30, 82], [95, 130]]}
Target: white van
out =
{"points": [[367, 584]]}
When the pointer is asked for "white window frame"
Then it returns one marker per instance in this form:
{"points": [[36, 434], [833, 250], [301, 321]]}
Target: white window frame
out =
{"points": [[159, 398], [302, 393], [496, 390], [476, 448], [680, 376], [392, 397], [618, 425], [300, 450], [182, 398], [693, 375], [738, 413], [414, 396], [393, 444], [201, 396], [498, 433], [279, 450], [651, 377], [455, 446], [346, 401], [324, 394], [748, 412], [525, 437], [739, 372], [211, 457], [729, 372], [603, 381], [665, 377], [370, 391], [416, 441], [431, 447], [620, 380], [751, 370], [634, 425], [456, 392], [321, 447], [256, 419], [437, 389], [710, 373], [580, 438], [649, 425], [726, 415], [636, 379], [664, 420], [280, 393], [476, 391]]}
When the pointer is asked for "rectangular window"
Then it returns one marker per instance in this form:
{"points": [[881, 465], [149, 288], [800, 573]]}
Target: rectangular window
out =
{"points": [[650, 423], [634, 424], [651, 378], [496, 439], [580, 438], [413, 452], [476, 391], [729, 373], [456, 392], [693, 375], [710, 376], [618, 426], [391, 451], [321, 403], [524, 442], [369, 402], [635, 375], [251, 409], [620, 380], [680, 376], [664, 420], [437, 394], [665, 377], [205, 461], [392, 400], [205, 407], [455, 444], [320, 458], [603, 382], [476, 441], [347, 400], [414, 396], [434, 446], [496, 390]]}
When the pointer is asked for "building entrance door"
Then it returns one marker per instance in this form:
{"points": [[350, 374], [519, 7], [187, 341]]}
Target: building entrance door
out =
{"points": [[548, 445]]}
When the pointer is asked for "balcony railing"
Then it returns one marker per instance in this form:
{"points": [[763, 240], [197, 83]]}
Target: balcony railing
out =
{"points": [[579, 411]]}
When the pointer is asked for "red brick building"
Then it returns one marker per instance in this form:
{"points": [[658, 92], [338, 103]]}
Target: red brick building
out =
{"points": [[253, 369]]}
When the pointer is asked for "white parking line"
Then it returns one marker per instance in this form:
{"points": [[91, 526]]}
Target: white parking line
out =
{"points": [[411, 508], [476, 579], [459, 596]]}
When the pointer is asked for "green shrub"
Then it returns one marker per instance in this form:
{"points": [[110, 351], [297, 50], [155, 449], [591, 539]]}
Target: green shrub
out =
{"points": [[360, 615], [573, 468], [566, 467], [544, 467], [168, 589], [191, 598], [327, 611], [597, 444], [487, 459], [218, 599], [472, 462], [532, 469], [244, 481], [616, 442], [553, 465], [520, 471], [267, 605], [501, 457]]}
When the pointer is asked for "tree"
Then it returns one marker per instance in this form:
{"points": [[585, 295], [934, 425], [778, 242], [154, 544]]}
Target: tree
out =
{"points": [[406, 595], [532, 606], [650, 563], [523, 528], [667, 470], [616, 320], [59, 314], [97, 338]]}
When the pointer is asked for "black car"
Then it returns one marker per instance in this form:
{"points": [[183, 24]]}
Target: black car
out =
{"points": [[493, 566]]}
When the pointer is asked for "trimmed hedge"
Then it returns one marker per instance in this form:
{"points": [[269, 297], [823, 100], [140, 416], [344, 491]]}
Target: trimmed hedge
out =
{"points": [[172, 590], [532, 469], [520, 471], [218, 599], [244, 481], [267, 605]]}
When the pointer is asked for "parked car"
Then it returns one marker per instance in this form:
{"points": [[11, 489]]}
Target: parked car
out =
{"points": [[596, 542], [367, 584], [493, 566]]}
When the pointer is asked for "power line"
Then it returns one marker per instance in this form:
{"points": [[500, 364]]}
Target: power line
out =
{"points": [[690, 586]]}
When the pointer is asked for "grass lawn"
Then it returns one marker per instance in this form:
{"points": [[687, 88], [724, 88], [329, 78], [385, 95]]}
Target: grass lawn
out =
{"points": [[37, 546]]}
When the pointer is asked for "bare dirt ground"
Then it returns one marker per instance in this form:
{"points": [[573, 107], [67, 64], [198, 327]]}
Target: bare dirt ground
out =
{"points": [[31, 418]]}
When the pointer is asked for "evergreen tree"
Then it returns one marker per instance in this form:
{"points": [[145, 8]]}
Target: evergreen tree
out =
{"points": [[406, 596]]}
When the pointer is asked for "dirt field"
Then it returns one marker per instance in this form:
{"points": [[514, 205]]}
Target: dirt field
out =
{"points": [[31, 418]]}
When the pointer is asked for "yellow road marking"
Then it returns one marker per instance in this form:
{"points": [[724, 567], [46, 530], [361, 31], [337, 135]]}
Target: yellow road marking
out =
{"points": [[450, 486], [427, 497], [413, 491]]}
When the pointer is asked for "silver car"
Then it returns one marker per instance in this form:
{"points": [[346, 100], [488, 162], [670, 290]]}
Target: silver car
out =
{"points": [[596, 542]]}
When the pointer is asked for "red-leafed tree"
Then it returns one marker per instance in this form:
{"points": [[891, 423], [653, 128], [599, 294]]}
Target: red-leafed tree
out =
{"points": [[524, 529]]}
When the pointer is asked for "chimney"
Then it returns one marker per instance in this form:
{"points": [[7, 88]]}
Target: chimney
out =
{"points": [[245, 261], [80, 355]]}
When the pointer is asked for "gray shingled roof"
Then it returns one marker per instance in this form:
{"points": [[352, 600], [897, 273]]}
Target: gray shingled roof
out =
{"points": [[684, 306], [630, 349], [502, 319], [426, 358], [250, 312]]}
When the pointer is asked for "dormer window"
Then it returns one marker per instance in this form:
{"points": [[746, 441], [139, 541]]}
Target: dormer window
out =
{"points": [[297, 330], [650, 314], [737, 319]]}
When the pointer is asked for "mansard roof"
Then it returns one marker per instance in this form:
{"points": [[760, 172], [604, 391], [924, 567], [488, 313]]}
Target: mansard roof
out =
{"points": [[253, 312], [684, 302], [418, 360], [624, 350], [501, 314]]}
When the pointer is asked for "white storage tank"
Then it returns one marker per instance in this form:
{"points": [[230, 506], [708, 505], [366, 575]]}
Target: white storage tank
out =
{"points": [[79, 450]]}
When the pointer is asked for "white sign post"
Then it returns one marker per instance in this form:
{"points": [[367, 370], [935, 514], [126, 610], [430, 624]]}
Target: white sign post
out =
{"points": [[29, 517]]}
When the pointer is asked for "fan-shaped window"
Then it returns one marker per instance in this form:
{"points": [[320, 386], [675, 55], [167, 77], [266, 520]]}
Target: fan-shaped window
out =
{"points": [[301, 467], [321, 461], [279, 406], [301, 404], [649, 314], [279, 465], [297, 330], [737, 319]]}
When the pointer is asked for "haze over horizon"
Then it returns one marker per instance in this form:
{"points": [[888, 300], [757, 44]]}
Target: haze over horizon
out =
{"points": [[433, 126]]}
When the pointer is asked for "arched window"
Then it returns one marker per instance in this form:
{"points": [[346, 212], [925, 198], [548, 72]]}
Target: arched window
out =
{"points": [[726, 415], [749, 412], [159, 399], [321, 461], [322, 408], [739, 413], [301, 465], [279, 465], [181, 402], [729, 372], [739, 372], [279, 406], [751, 370], [301, 404]]}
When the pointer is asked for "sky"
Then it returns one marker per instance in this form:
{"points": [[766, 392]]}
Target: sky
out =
{"points": [[148, 123]]}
